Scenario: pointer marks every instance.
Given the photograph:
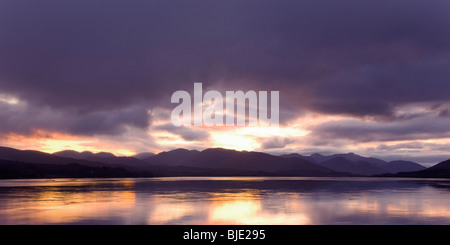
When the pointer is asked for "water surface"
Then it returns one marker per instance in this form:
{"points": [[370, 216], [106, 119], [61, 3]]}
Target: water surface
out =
{"points": [[225, 200]]}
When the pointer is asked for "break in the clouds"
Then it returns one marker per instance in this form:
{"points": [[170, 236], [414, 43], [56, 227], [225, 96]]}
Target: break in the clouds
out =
{"points": [[101, 67]]}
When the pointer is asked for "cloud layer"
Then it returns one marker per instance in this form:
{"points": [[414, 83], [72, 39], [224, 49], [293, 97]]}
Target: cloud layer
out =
{"points": [[101, 67]]}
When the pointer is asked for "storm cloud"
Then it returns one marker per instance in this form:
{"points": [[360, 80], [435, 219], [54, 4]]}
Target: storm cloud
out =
{"points": [[104, 54], [100, 67]]}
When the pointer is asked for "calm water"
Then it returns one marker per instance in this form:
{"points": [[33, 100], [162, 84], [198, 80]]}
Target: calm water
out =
{"points": [[228, 200]]}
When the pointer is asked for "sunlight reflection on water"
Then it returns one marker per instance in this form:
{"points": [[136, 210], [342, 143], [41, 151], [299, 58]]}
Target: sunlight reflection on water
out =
{"points": [[225, 200]]}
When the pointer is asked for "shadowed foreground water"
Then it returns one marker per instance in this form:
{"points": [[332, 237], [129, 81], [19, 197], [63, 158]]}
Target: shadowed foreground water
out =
{"points": [[225, 200]]}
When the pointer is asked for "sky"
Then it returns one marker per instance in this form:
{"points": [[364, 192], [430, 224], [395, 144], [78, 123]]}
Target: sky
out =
{"points": [[369, 77]]}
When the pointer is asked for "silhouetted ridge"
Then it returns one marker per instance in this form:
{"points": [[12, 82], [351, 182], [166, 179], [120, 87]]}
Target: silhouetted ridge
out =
{"points": [[225, 159], [403, 166], [143, 155], [177, 157], [342, 164], [83, 155], [209, 162], [445, 165], [37, 157], [104, 157], [359, 165]]}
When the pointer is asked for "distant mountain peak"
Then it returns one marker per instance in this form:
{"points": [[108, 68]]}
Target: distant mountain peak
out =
{"points": [[444, 165], [83, 155], [104, 154], [181, 150], [223, 159], [316, 155], [143, 155], [219, 149], [67, 151]]}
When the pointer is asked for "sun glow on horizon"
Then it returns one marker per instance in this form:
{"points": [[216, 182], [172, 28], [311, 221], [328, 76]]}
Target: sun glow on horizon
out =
{"points": [[296, 136], [234, 141], [50, 142]]}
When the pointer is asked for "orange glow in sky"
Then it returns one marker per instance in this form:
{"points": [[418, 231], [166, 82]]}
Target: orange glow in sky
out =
{"points": [[51, 142]]}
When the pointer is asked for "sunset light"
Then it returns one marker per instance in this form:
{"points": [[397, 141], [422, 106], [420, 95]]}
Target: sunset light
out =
{"points": [[234, 141], [236, 112]]}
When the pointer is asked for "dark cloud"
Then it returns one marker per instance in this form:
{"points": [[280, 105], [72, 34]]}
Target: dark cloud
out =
{"points": [[379, 88], [25, 119], [111, 122], [365, 131], [95, 58], [424, 159], [186, 133], [276, 142], [444, 113]]}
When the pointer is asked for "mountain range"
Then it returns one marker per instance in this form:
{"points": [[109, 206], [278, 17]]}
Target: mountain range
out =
{"points": [[359, 165], [440, 170], [209, 162], [243, 161]]}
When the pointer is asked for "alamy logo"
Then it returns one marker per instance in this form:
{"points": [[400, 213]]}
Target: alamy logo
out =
{"points": [[209, 109]]}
